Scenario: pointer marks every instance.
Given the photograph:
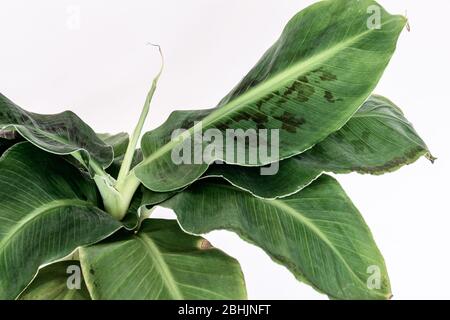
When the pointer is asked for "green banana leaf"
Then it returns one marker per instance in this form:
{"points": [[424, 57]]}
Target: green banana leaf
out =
{"points": [[160, 262], [317, 234], [64, 133], [51, 283], [376, 140], [307, 85], [47, 210]]}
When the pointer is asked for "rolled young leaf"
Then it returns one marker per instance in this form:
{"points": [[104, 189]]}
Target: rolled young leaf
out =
{"points": [[64, 133], [160, 262], [143, 197], [307, 85], [318, 234], [377, 139], [47, 210], [58, 281]]}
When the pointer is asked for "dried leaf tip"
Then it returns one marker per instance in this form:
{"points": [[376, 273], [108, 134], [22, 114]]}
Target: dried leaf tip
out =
{"points": [[430, 157], [161, 55], [204, 244], [408, 26]]}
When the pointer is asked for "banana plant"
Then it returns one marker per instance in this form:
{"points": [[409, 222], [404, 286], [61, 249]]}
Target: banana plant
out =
{"points": [[72, 199]]}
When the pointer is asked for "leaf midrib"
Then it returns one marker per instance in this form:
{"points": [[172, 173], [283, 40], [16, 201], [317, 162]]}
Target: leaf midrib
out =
{"points": [[310, 225], [274, 83], [161, 265], [280, 204], [37, 212]]}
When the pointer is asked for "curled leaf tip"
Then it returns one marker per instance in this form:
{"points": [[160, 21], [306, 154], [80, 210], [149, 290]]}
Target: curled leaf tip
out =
{"points": [[430, 157], [162, 57], [408, 26]]}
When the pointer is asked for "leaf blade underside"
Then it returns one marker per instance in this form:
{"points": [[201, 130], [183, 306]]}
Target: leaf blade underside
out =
{"points": [[63, 134]]}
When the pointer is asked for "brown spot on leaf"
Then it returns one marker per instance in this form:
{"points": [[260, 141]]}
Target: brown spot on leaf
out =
{"points": [[257, 117], [391, 165], [330, 97], [365, 135], [304, 90], [325, 75], [204, 244], [187, 123], [290, 122], [303, 79]]}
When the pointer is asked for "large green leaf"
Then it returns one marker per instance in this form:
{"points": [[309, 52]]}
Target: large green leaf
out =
{"points": [[51, 283], [318, 234], [308, 84], [63, 133], [151, 198], [292, 177], [160, 262], [377, 139], [47, 210]]}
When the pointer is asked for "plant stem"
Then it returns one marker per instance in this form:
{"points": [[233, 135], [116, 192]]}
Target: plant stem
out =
{"points": [[128, 158], [112, 199], [98, 169]]}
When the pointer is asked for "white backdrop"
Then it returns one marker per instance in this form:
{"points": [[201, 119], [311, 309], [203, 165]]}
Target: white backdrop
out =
{"points": [[91, 56]]}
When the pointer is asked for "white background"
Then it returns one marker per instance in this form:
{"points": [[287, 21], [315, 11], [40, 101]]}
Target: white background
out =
{"points": [[102, 69]]}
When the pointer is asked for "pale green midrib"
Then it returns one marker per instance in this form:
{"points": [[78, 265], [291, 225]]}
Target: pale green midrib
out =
{"points": [[39, 211], [310, 225], [161, 265], [274, 83]]}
